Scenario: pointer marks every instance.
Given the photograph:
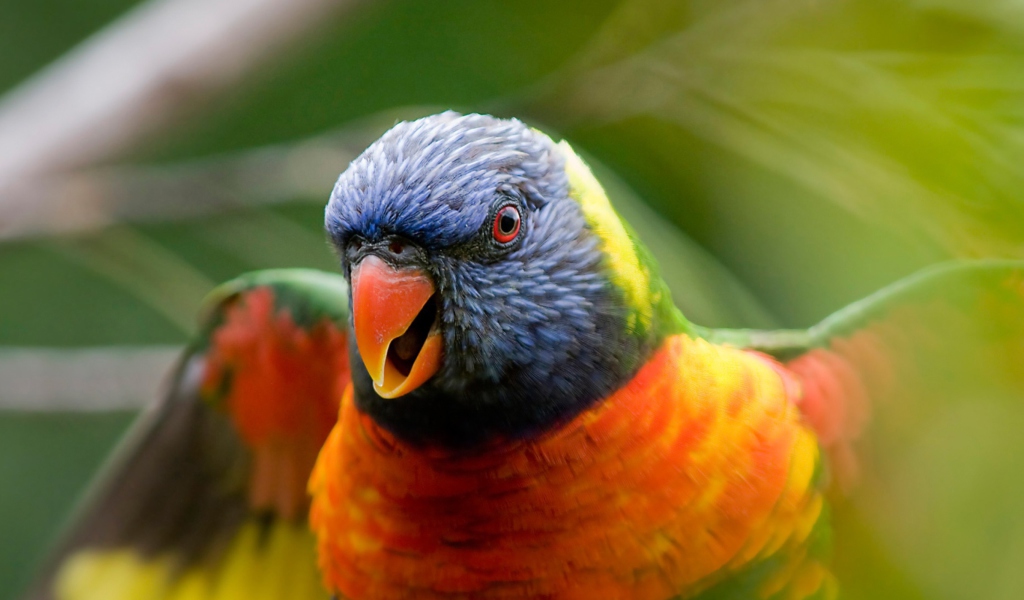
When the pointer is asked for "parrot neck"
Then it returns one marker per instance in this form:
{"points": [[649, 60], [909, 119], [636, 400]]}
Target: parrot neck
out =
{"points": [[695, 474]]}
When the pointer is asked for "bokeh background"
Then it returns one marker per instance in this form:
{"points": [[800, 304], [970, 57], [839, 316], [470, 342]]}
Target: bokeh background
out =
{"points": [[781, 157]]}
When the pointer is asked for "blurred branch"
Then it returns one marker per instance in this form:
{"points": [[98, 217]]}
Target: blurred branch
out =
{"points": [[92, 199], [87, 379], [136, 77], [97, 198]]}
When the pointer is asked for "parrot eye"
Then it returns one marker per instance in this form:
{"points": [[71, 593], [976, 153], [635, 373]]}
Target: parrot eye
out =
{"points": [[506, 224]]}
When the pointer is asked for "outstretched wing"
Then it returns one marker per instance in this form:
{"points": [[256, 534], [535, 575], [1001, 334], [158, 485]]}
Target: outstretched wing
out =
{"points": [[948, 328], [916, 394], [207, 497]]}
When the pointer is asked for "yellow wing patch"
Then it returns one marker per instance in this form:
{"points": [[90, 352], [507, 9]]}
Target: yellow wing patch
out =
{"points": [[279, 563], [628, 272]]}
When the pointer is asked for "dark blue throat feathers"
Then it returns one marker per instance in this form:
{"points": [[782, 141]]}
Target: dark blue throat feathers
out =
{"points": [[533, 329]]}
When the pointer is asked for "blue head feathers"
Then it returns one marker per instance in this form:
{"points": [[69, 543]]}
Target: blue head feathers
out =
{"points": [[533, 330], [433, 180]]}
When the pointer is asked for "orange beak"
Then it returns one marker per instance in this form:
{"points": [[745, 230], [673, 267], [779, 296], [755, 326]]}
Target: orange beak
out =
{"points": [[394, 317]]}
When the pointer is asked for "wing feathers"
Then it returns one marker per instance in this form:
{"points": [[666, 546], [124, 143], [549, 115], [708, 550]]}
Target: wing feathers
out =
{"points": [[953, 326], [207, 498]]}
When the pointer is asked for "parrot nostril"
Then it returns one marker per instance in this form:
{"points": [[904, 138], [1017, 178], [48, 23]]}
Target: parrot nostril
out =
{"points": [[396, 247]]}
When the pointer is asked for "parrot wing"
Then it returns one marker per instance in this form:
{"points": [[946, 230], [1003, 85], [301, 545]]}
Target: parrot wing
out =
{"points": [[207, 496], [900, 355], [915, 396]]}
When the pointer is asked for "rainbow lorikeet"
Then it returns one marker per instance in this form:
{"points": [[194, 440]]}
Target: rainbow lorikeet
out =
{"points": [[512, 407]]}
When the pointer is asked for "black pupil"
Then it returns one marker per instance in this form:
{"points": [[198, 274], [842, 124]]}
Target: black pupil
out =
{"points": [[508, 221]]}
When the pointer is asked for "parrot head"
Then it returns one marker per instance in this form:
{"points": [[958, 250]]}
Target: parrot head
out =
{"points": [[494, 291]]}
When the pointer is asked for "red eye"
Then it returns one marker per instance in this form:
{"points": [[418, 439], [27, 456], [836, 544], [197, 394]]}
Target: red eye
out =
{"points": [[506, 224]]}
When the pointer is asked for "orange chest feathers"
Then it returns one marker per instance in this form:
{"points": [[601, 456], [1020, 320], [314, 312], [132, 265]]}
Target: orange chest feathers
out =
{"points": [[697, 467]]}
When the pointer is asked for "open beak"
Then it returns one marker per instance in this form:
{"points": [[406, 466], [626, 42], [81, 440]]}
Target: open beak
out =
{"points": [[394, 316]]}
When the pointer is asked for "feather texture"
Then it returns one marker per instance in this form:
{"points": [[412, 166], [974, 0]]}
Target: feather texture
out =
{"points": [[697, 471]]}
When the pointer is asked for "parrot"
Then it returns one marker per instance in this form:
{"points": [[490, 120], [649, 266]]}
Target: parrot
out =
{"points": [[496, 398]]}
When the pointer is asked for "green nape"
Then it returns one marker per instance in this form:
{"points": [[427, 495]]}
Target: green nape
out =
{"points": [[632, 267]]}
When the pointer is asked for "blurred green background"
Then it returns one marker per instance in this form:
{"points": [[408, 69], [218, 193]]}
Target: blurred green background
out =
{"points": [[782, 158]]}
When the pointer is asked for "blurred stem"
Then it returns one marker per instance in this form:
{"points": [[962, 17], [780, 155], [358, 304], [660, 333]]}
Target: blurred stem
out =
{"points": [[92, 199], [138, 76], [82, 379]]}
